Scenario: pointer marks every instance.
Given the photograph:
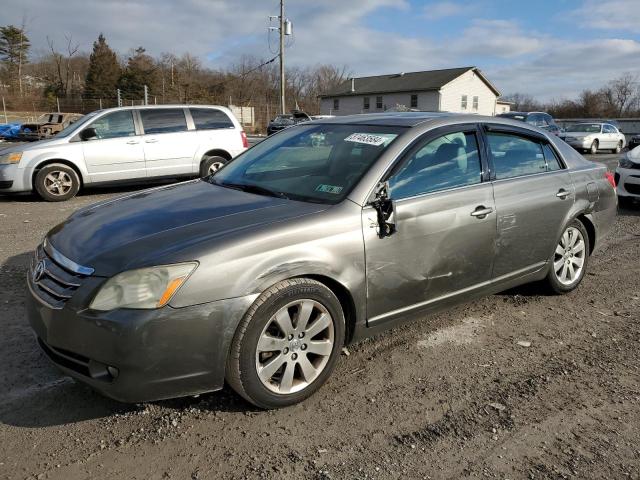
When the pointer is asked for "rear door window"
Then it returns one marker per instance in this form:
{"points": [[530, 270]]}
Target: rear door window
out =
{"points": [[210, 119], [515, 156], [163, 120]]}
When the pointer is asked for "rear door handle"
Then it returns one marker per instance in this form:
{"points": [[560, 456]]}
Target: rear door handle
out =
{"points": [[481, 212], [151, 140], [562, 193]]}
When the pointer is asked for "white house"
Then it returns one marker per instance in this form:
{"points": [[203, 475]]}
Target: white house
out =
{"points": [[462, 90]]}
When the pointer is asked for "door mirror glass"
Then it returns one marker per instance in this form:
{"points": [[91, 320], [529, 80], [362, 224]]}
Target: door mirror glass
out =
{"points": [[88, 133]]}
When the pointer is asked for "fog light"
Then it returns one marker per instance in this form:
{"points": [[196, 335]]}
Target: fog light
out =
{"points": [[113, 371]]}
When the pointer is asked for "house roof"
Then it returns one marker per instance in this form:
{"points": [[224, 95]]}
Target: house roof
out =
{"points": [[403, 82]]}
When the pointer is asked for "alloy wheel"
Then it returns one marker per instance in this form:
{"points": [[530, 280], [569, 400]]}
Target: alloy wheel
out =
{"points": [[569, 256], [294, 346], [58, 182], [214, 167]]}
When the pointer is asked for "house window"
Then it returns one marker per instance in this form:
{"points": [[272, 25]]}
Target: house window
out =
{"points": [[475, 103], [463, 103], [336, 104], [414, 101], [365, 103], [379, 103]]}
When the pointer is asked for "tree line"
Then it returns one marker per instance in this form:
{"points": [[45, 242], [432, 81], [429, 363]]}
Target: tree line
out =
{"points": [[66, 72]]}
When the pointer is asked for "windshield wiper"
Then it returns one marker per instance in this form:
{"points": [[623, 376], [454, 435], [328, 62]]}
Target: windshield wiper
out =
{"points": [[250, 188]]}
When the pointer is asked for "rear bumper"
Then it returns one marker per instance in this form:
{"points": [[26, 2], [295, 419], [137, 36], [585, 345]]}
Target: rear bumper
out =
{"points": [[155, 354], [628, 182]]}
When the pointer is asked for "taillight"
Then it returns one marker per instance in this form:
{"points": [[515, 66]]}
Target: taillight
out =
{"points": [[245, 142], [610, 179]]}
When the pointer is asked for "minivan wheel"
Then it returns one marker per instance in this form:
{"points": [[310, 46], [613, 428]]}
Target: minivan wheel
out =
{"points": [[211, 165], [287, 344], [57, 182], [568, 263], [618, 148], [594, 147]]}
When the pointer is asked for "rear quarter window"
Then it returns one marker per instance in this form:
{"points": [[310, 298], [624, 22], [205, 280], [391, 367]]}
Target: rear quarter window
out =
{"points": [[210, 119]]}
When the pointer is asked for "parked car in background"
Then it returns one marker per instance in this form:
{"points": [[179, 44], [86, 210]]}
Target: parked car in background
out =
{"points": [[128, 144], [47, 126], [615, 123], [537, 119], [592, 137], [628, 176], [287, 120], [321, 235], [634, 142]]}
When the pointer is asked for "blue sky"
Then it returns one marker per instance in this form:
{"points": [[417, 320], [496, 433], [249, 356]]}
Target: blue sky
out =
{"points": [[551, 49]]}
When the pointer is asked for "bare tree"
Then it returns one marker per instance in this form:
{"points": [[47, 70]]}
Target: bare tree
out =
{"points": [[621, 93], [63, 65]]}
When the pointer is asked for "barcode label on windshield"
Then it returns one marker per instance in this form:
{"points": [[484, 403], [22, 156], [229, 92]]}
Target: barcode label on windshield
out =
{"points": [[366, 138]]}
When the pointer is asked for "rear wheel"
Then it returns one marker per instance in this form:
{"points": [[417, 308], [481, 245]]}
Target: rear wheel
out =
{"points": [[57, 182], [287, 345], [594, 147], [211, 164], [569, 260], [618, 148]]}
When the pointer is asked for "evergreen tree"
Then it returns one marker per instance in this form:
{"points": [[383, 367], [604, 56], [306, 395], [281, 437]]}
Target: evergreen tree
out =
{"points": [[14, 50], [140, 71], [104, 71]]}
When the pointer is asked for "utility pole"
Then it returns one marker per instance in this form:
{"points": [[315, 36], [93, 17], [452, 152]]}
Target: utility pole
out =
{"points": [[146, 95], [282, 85], [119, 98]]}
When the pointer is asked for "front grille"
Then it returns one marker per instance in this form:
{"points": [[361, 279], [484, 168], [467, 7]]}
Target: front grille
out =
{"points": [[632, 188], [53, 283]]}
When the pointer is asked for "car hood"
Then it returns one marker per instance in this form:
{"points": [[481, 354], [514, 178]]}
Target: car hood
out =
{"points": [[159, 225]]}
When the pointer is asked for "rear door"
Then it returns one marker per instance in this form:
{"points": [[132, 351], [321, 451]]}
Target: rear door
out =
{"points": [[169, 144], [215, 131], [116, 153], [446, 225], [610, 136], [533, 194]]}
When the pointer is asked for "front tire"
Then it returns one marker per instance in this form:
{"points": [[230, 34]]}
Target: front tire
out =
{"points": [[618, 148], [594, 147], [569, 261], [57, 182], [287, 344]]}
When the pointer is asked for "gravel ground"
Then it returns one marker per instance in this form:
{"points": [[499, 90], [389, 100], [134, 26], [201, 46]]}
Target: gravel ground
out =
{"points": [[455, 395]]}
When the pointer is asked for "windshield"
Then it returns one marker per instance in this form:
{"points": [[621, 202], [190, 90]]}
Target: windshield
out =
{"points": [[314, 163], [585, 128], [73, 126], [284, 119]]}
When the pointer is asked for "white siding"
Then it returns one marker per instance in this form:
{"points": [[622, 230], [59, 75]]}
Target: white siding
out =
{"points": [[352, 104], [471, 85], [502, 108]]}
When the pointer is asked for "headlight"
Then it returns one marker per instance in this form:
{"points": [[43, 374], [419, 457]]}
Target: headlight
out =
{"points": [[625, 163], [146, 288], [13, 157]]}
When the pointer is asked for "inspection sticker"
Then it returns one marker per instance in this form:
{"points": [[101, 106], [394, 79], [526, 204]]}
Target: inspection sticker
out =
{"points": [[328, 189], [367, 138]]}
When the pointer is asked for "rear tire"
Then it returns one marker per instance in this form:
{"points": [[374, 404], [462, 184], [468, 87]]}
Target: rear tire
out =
{"points": [[211, 164], [287, 344], [569, 260], [57, 182]]}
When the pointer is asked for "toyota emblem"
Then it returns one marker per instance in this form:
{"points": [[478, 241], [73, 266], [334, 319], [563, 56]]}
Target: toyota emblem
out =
{"points": [[37, 273]]}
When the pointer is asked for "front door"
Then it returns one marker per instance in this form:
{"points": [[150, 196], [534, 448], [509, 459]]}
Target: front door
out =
{"points": [[445, 221], [116, 152], [533, 194], [169, 146]]}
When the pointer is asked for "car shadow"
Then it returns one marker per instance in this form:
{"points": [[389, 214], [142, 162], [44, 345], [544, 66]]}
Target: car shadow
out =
{"points": [[629, 209], [34, 393]]}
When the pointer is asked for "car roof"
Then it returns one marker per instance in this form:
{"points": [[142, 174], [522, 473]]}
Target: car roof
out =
{"points": [[412, 119], [175, 105]]}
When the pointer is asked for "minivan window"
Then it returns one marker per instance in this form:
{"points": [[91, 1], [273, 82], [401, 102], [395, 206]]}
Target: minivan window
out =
{"points": [[115, 124], [210, 118], [316, 163], [163, 120], [448, 161], [514, 156]]}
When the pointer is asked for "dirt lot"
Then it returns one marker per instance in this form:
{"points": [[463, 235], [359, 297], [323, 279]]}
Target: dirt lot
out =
{"points": [[450, 396]]}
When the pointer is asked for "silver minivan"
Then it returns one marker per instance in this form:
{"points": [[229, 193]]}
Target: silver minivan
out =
{"points": [[127, 144]]}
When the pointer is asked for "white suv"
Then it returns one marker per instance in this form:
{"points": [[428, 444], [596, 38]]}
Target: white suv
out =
{"points": [[128, 144]]}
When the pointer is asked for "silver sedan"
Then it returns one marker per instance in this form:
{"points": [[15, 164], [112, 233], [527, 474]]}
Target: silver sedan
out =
{"points": [[321, 235], [593, 137]]}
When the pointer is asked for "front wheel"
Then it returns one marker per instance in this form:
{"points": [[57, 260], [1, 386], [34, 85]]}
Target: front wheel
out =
{"points": [[57, 182], [569, 260], [287, 344], [594, 147], [618, 148]]}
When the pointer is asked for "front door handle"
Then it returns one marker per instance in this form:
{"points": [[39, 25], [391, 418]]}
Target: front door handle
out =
{"points": [[481, 212], [151, 140], [562, 193], [133, 142]]}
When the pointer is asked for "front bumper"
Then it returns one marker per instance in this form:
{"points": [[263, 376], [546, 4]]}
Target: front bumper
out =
{"points": [[14, 179], [579, 143], [628, 182], [155, 354]]}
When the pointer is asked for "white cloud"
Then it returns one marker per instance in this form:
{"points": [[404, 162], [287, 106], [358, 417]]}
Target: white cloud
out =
{"points": [[609, 14], [438, 10], [497, 38]]}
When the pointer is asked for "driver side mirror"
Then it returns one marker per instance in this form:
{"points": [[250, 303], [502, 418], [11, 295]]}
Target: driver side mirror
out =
{"points": [[88, 133], [383, 206]]}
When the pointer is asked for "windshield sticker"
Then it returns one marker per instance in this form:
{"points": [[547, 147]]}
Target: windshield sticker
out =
{"points": [[370, 139], [328, 189]]}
